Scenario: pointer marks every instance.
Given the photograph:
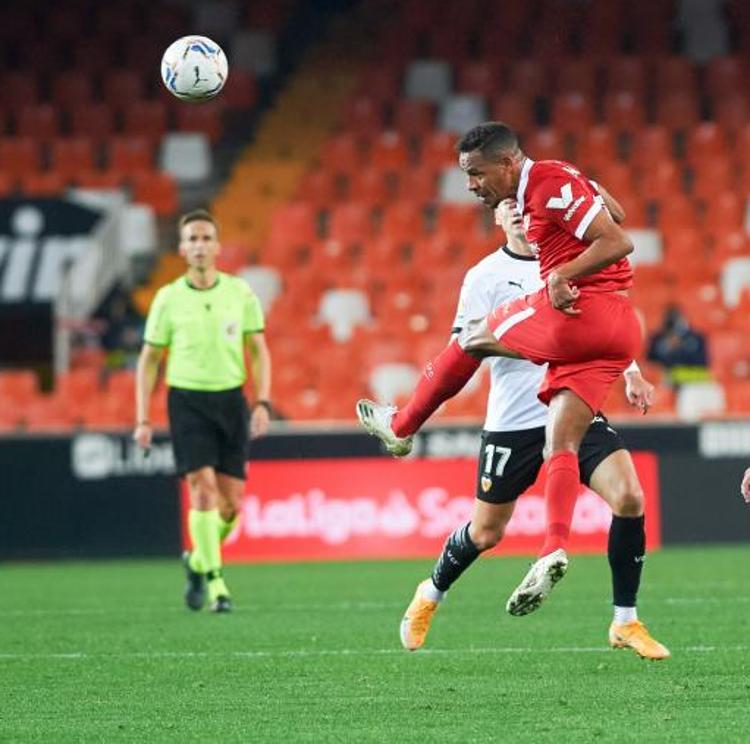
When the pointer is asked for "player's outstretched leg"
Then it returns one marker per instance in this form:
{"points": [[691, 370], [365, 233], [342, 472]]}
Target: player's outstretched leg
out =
{"points": [[195, 588], [538, 583], [376, 419]]}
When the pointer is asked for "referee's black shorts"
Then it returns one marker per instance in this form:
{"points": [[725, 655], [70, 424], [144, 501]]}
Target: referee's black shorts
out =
{"points": [[209, 429], [509, 461]]}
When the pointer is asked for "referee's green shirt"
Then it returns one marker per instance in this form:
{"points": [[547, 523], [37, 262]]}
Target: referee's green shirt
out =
{"points": [[204, 330]]}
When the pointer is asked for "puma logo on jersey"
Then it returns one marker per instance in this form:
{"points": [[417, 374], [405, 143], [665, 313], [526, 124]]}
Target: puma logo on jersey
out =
{"points": [[564, 200], [516, 284]]}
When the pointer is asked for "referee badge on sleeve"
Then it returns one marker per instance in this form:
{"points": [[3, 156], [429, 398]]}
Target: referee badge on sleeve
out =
{"points": [[231, 330], [486, 483]]}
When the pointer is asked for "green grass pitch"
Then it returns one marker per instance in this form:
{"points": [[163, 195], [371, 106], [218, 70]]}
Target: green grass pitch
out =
{"points": [[105, 652]]}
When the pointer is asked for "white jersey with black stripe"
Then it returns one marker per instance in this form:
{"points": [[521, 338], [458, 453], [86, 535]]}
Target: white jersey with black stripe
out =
{"points": [[503, 275]]}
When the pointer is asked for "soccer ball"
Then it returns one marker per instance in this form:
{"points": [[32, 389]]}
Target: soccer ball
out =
{"points": [[194, 68]]}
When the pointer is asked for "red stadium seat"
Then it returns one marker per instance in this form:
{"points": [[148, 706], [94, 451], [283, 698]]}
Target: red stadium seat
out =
{"points": [[19, 156], [572, 113], [350, 223], [403, 221], [131, 155], [101, 179], [624, 111], [725, 212], [369, 186], [343, 153], [123, 88], [21, 385], [732, 113], [363, 115], [711, 176], [706, 141], [20, 89], [677, 110], [78, 384], [651, 145], [72, 89], [458, 221], [320, 188], [158, 190], [389, 151], [516, 109], [438, 151], [616, 177], [240, 91], [661, 180], [43, 184], [204, 118], [626, 74], [146, 119], [597, 148], [728, 245], [674, 74], [545, 144], [418, 184], [293, 224], [414, 118], [725, 77], [676, 212], [529, 76], [576, 76], [39, 121], [478, 77], [95, 121], [71, 157]]}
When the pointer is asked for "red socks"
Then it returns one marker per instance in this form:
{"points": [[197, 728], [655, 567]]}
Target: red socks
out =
{"points": [[442, 378], [560, 494]]}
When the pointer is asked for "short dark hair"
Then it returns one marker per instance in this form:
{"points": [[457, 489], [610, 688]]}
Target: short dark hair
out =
{"points": [[196, 215], [491, 138]]}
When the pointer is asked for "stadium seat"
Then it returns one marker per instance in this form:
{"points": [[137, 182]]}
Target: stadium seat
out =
{"points": [[545, 144], [19, 156], [131, 155], [240, 91], [413, 118], [158, 190], [43, 184], [101, 179], [624, 111], [732, 113], [123, 88], [265, 281], [735, 276], [712, 176], [674, 73], [20, 89], [597, 148], [661, 179], [571, 113], [39, 121], [438, 150], [350, 223], [204, 119], [699, 400], [186, 156], [21, 385], [648, 246], [72, 89], [391, 381], [724, 76], [428, 79], [458, 221], [389, 151], [453, 187], [368, 186], [342, 310], [71, 157], [419, 184], [729, 353], [403, 221], [651, 145], [516, 108], [705, 142], [459, 113], [95, 120], [343, 153], [615, 176], [576, 76], [529, 77], [146, 119], [363, 116], [78, 384], [677, 110], [479, 77], [626, 74]]}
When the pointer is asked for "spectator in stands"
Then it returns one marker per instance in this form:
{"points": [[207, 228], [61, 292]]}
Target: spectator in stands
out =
{"points": [[123, 331], [680, 349]]}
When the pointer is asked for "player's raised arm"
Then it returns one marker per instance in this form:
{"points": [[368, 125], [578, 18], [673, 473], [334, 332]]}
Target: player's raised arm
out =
{"points": [[615, 208]]}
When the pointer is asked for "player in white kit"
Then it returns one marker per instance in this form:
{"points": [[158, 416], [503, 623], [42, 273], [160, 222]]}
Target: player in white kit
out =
{"points": [[511, 456]]}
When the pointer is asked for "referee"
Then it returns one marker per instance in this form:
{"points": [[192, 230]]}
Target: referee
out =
{"points": [[206, 319]]}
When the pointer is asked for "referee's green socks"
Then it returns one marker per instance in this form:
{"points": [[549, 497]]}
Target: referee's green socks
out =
{"points": [[226, 526]]}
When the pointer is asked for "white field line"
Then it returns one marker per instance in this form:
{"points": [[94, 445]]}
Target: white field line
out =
{"points": [[339, 606], [344, 652]]}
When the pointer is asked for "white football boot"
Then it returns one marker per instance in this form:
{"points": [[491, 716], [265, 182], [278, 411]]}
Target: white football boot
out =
{"points": [[538, 583], [376, 419]]}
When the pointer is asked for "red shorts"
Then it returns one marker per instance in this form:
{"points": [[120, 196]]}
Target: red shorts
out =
{"points": [[586, 353]]}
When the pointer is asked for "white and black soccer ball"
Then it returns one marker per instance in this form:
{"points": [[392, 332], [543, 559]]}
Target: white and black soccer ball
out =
{"points": [[194, 68]]}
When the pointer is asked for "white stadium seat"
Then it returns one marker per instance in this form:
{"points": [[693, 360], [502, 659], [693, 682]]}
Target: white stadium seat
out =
{"points": [[389, 381], [342, 310], [461, 112], [265, 281], [186, 156], [735, 276], [648, 246], [453, 187], [697, 400], [428, 78], [138, 235]]}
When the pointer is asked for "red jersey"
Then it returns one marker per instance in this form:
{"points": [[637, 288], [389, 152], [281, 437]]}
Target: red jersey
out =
{"points": [[558, 204]]}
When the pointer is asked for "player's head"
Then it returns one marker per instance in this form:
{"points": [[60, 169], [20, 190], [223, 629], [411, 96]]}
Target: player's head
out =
{"points": [[509, 218], [490, 156], [199, 239]]}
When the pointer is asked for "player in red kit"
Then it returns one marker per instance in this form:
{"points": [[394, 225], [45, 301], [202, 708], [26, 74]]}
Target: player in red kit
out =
{"points": [[581, 323]]}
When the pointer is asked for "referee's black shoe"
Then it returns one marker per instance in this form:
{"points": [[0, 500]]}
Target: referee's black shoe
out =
{"points": [[222, 603], [195, 589]]}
